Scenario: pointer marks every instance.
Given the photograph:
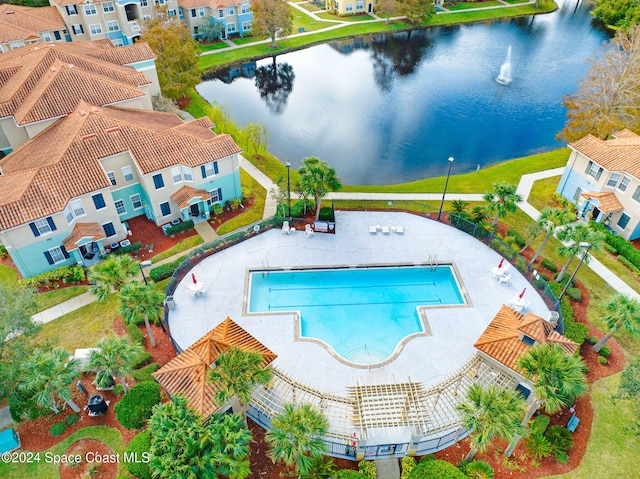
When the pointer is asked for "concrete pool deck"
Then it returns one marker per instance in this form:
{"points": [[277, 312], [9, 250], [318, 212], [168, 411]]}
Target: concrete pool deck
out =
{"points": [[426, 359]]}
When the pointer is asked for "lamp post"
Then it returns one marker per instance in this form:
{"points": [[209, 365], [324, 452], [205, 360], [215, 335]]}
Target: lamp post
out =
{"points": [[586, 247], [140, 265], [446, 183], [288, 165]]}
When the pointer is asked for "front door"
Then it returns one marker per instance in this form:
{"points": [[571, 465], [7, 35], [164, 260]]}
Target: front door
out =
{"points": [[595, 213], [194, 210], [370, 7]]}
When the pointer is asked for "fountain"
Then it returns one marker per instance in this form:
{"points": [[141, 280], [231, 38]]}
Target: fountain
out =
{"points": [[504, 78]]}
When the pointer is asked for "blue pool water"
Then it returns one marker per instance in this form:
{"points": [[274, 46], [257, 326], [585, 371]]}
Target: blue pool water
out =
{"points": [[362, 313]]}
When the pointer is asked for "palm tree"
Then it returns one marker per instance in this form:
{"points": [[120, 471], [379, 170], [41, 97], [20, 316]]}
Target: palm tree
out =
{"points": [[502, 199], [624, 313], [236, 373], [317, 179], [141, 302], [115, 355], [551, 219], [576, 236], [111, 274], [558, 379], [296, 436], [233, 439], [490, 413], [45, 379]]}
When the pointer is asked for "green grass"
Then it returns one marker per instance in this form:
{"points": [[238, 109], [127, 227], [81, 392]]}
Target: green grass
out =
{"points": [[244, 40], [301, 20], [57, 296], [310, 7], [212, 46], [178, 248], [542, 193], [469, 5], [344, 18], [44, 469], [255, 213], [8, 274]]}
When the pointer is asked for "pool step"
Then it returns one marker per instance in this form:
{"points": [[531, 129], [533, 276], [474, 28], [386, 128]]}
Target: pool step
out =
{"points": [[366, 355]]}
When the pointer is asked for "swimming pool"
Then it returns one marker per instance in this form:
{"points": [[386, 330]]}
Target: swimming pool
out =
{"points": [[362, 313]]}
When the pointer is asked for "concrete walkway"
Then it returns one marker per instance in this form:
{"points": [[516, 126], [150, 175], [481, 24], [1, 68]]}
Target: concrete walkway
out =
{"points": [[387, 468], [270, 203], [5, 418], [63, 308], [206, 232]]}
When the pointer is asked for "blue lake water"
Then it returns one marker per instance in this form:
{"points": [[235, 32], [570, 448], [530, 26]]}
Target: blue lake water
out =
{"points": [[356, 310], [392, 108]]}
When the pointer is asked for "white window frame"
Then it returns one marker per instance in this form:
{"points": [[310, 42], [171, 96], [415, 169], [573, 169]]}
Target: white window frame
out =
{"points": [[245, 8], [135, 199], [117, 42], [77, 208], [111, 24], [186, 174], [231, 27], [90, 10], [201, 11], [624, 183], [176, 174], [221, 13], [42, 225], [122, 207], [144, 3], [112, 178], [58, 253], [214, 196], [229, 11], [246, 26], [636, 195], [95, 29], [107, 7], [359, 5], [71, 10], [172, 12], [613, 180], [209, 170], [68, 215], [46, 36], [77, 29], [127, 173], [348, 7]]}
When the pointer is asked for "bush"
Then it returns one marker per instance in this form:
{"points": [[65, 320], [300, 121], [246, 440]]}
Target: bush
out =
{"points": [[3, 251], [179, 228], [625, 262], [128, 249], [602, 360], [68, 274], [139, 444], [326, 214], [135, 334], [165, 270], [479, 470], [71, 419], [627, 254], [550, 265], [605, 351], [216, 209], [560, 200], [348, 474], [144, 358], [436, 469], [368, 469], [135, 407], [519, 240], [574, 294], [118, 389], [428, 457], [538, 445], [297, 209], [561, 441], [539, 424], [58, 429], [610, 248], [145, 373], [592, 340], [407, 463]]}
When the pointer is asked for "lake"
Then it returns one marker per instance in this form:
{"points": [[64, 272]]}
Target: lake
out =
{"points": [[393, 108]]}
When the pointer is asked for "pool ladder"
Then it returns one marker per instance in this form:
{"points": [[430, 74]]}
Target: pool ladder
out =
{"points": [[265, 268], [432, 262]]}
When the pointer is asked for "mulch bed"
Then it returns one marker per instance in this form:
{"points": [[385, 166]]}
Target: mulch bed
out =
{"points": [[146, 232], [216, 221], [94, 455]]}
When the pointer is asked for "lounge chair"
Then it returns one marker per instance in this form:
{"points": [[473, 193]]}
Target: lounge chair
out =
{"points": [[399, 229], [308, 231], [385, 230], [373, 229], [285, 228], [504, 279]]}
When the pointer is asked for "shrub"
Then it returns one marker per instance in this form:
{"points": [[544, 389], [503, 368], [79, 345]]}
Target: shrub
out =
{"points": [[326, 214], [407, 463], [561, 441], [68, 274], [135, 407], [560, 200], [574, 294], [3, 251], [139, 444], [428, 457], [602, 360], [519, 240], [179, 228], [297, 209], [436, 469], [538, 445], [246, 193], [592, 340], [479, 470], [58, 429], [368, 469], [521, 264], [605, 351], [71, 419], [550, 265], [135, 334], [128, 249], [118, 389], [165, 270], [610, 248], [216, 209], [348, 474], [144, 357], [145, 373], [625, 262], [539, 424]]}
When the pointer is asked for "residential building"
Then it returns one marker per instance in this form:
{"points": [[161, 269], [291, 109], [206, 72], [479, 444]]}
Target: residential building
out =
{"points": [[45, 81], [22, 26], [235, 15], [66, 194], [352, 7], [603, 178]]}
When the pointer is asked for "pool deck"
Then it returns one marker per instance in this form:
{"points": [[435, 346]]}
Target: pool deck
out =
{"points": [[427, 359]]}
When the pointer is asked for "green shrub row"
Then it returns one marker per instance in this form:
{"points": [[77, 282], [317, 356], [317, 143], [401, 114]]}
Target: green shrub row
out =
{"points": [[165, 270], [436, 469], [348, 474], [574, 294], [573, 330], [179, 228], [519, 240], [550, 265], [145, 372], [610, 248], [621, 245], [135, 407], [128, 249], [624, 261], [144, 358], [58, 429], [139, 445], [368, 469], [68, 274], [135, 334], [407, 464]]}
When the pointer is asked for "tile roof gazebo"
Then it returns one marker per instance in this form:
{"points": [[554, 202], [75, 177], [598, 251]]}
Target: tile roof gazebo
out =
{"points": [[187, 373]]}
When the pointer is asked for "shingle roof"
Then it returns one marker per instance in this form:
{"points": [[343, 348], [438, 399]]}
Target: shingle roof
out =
{"points": [[502, 338], [21, 23], [622, 153], [608, 201], [187, 373], [63, 160], [186, 194], [23, 70], [83, 230]]}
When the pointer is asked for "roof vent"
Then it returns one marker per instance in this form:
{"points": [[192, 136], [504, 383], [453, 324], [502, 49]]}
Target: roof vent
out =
{"points": [[54, 69], [95, 109], [10, 12], [71, 65], [82, 113], [112, 129], [88, 135]]}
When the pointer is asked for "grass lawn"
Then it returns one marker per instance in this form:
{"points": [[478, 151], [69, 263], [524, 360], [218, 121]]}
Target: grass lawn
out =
{"points": [[213, 46], [243, 40], [255, 213], [542, 193], [309, 7], [468, 5], [181, 246], [57, 296], [301, 20], [8, 274], [344, 18], [43, 469]]}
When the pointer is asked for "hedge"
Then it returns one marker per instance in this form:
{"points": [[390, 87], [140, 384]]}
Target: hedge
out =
{"points": [[135, 407], [58, 429], [139, 445], [368, 469], [165, 270], [179, 228], [516, 236], [348, 474], [135, 334], [550, 265], [621, 245], [407, 463], [436, 469], [145, 373], [144, 358], [625, 262], [574, 294], [68, 274], [573, 330], [127, 249]]}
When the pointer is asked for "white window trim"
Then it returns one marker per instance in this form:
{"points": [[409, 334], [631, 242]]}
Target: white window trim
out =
{"points": [[125, 169], [111, 23], [58, 250], [622, 186], [46, 225], [179, 175], [124, 207], [133, 202], [106, 9], [74, 210], [98, 29], [246, 26], [186, 171], [87, 9], [111, 174]]}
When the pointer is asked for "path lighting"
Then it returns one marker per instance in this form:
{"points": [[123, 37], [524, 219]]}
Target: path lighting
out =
{"points": [[141, 264], [288, 165], [586, 247], [445, 187]]}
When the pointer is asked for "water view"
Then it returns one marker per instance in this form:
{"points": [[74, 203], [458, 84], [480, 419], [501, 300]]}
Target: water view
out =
{"points": [[392, 108]]}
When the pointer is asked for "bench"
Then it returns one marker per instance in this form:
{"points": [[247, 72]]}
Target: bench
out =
{"points": [[573, 423]]}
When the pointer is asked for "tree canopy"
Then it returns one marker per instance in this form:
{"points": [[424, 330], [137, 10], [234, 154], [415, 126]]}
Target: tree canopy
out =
{"points": [[623, 14], [271, 18], [111, 274], [115, 355], [140, 302], [317, 179], [502, 199], [623, 313], [417, 11]]}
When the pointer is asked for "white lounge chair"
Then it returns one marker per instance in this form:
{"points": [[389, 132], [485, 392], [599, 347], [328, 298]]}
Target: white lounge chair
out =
{"points": [[308, 231], [399, 229], [285, 228], [504, 279], [385, 230], [372, 229]]}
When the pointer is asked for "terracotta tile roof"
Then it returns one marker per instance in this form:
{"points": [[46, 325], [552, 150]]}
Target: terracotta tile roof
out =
{"points": [[22, 70], [608, 201], [622, 153], [187, 372], [22, 23], [186, 194], [83, 230], [124, 55], [502, 338], [65, 157]]}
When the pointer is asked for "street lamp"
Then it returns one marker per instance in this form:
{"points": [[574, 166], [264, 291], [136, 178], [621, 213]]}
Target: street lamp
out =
{"points": [[586, 247], [445, 187], [288, 165], [141, 264]]}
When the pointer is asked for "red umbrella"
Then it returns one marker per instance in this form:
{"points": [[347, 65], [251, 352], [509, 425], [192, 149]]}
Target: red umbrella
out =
{"points": [[501, 261], [193, 278], [522, 294]]}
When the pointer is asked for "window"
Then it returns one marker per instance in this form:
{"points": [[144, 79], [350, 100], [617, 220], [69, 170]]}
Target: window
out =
{"points": [[158, 182], [42, 226], [593, 170], [56, 255], [172, 12], [77, 29], [220, 13], [120, 207], [229, 11], [144, 3], [231, 27], [127, 173], [193, 12], [176, 173], [624, 220], [113, 26], [107, 7], [95, 29], [577, 194], [636, 195], [201, 11], [186, 174], [90, 10], [98, 201], [112, 178], [246, 26], [117, 42], [57, 35], [624, 183], [209, 169], [613, 180], [349, 7], [77, 208], [195, 30], [216, 196], [71, 9], [109, 230], [165, 208], [359, 5], [528, 340], [159, 2], [245, 8], [46, 36], [136, 201], [67, 214]]}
